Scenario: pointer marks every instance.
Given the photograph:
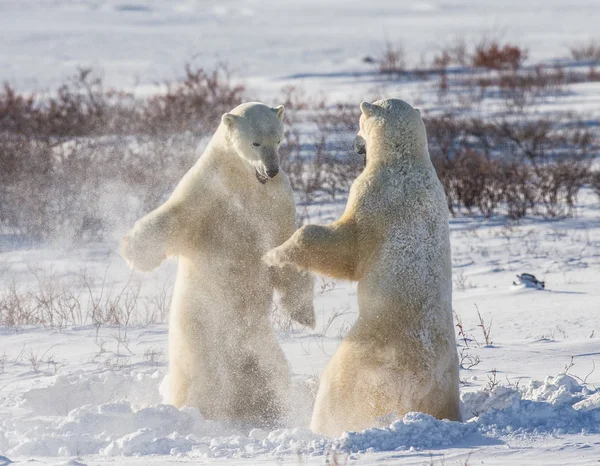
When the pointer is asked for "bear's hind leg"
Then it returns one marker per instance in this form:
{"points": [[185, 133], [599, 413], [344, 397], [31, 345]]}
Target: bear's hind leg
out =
{"points": [[342, 404], [443, 402], [179, 386]]}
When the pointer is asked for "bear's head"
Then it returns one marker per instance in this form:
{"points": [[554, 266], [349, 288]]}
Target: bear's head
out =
{"points": [[391, 130], [254, 131]]}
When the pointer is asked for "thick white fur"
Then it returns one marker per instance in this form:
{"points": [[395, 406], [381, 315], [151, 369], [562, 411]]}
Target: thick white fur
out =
{"points": [[220, 220], [393, 238]]}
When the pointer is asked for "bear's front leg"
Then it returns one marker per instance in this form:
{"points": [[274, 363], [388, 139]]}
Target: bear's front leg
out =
{"points": [[326, 249], [295, 288], [146, 246]]}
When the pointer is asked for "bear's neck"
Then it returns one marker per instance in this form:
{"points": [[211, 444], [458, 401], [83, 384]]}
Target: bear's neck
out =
{"points": [[405, 154]]}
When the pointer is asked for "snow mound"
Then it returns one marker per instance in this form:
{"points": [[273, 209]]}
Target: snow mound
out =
{"points": [[115, 414], [559, 405], [77, 389], [415, 430]]}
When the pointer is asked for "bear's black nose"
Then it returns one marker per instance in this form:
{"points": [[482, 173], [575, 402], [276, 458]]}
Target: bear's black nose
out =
{"points": [[272, 173]]}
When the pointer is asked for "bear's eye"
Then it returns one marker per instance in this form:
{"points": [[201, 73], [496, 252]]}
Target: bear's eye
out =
{"points": [[256, 144], [279, 142]]}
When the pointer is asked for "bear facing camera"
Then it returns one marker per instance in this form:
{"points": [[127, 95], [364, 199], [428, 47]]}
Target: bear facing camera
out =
{"points": [[229, 209]]}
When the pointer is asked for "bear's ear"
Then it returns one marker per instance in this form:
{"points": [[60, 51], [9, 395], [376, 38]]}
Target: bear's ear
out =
{"points": [[279, 111], [228, 119], [368, 109]]}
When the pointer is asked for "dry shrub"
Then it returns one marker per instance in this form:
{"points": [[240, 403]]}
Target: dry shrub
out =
{"points": [[522, 88], [456, 53], [193, 104], [494, 69], [77, 108], [337, 126], [392, 59], [492, 55], [318, 151], [526, 166], [82, 107], [81, 161], [558, 184], [586, 51], [595, 181], [84, 189], [489, 54], [297, 160], [516, 189]]}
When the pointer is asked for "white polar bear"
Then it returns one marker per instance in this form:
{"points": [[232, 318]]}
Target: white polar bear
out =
{"points": [[229, 209], [393, 238]]}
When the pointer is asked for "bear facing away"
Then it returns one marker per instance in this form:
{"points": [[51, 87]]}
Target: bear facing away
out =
{"points": [[393, 238], [230, 208]]}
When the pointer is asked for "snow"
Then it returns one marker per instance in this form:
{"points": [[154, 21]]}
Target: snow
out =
{"points": [[277, 42], [95, 393], [71, 417]]}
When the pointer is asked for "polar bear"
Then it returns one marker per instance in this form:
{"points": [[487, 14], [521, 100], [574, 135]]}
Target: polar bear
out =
{"points": [[393, 238], [229, 209]]}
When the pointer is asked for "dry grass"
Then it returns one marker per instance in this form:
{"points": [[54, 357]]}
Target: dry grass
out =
{"points": [[59, 303]]}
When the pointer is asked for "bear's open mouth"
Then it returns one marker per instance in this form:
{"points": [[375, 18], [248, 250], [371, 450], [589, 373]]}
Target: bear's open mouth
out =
{"points": [[262, 179]]}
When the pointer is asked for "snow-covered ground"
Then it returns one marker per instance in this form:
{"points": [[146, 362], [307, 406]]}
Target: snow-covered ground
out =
{"points": [[141, 42], [93, 392], [90, 394]]}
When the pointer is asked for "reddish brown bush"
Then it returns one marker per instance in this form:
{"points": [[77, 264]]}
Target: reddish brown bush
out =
{"points": [[82, 107], [77, 108], [493, 56], [194, 104], [59, 179], [527, 166]]}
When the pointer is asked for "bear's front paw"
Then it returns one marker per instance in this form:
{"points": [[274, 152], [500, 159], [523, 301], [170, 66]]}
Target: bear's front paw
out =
{"points": [[304, 314], [142, 251], [297, 300], [275, 258]]}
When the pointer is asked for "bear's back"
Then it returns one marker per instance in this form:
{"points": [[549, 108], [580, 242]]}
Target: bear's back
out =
{"points": [[406, 215]]}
